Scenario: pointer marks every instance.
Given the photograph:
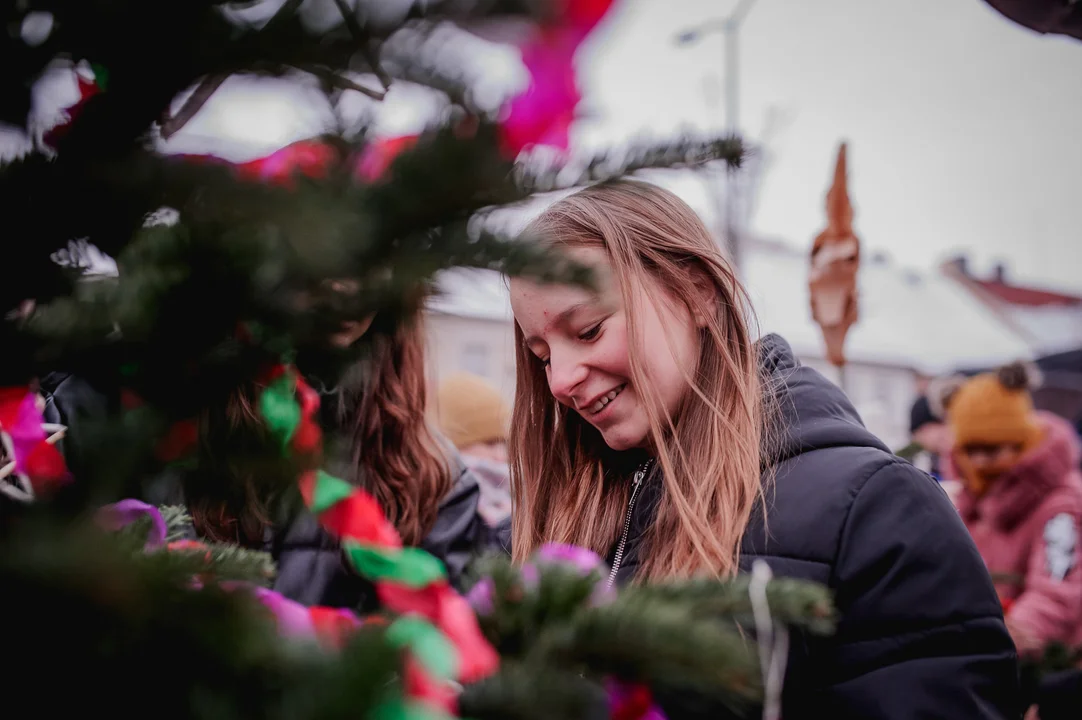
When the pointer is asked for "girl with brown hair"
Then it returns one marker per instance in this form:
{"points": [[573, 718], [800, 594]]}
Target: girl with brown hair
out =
{"points": [[651, 427], [377, 436]]}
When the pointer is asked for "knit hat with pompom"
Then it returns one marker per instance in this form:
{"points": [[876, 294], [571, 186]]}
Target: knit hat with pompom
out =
{"points": [[471, 411], [994, 408]]}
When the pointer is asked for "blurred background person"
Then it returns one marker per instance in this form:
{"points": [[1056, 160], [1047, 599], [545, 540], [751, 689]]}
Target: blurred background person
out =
{"points": [[475, 417], [1021, 499]]}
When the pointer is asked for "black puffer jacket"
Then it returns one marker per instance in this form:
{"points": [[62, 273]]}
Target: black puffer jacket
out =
{"points": [[921, 632], [313, 570], [311, 566]]}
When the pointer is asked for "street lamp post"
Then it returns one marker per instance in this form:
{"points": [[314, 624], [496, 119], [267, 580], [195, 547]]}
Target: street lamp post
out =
{"points": [[729, 27]]}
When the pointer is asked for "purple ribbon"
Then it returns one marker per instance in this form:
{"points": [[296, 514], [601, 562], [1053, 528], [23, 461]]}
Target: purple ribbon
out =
{"points": [[482, 595], [118, 515]]}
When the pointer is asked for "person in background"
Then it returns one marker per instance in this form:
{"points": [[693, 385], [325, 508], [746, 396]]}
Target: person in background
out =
{"points": [[1021, 499], [472, 415], [930, 435], [377, 436]]}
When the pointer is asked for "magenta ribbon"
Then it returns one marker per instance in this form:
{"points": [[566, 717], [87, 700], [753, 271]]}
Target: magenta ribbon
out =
{"points": [[118, 515], [26, 432]]}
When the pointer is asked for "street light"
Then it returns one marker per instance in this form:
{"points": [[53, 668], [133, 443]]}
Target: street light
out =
{"points": [[687, 37], [729, 27]]}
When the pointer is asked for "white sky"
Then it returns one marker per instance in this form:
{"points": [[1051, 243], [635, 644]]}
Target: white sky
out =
{"points": [[965, 130]]}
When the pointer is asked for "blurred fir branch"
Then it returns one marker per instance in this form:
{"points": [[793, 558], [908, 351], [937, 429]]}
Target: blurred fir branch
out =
{"points": [[524, 692], [681, 153], [220, 561], [675, 637], [154, 51], [792, 602], [78, 606], [178, 523]]}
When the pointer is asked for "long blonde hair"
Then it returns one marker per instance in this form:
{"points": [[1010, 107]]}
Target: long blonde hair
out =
{"points": [[568, 486]]}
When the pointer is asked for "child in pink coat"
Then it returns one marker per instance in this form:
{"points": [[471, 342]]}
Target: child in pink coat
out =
{"points": [[1021, 499]]}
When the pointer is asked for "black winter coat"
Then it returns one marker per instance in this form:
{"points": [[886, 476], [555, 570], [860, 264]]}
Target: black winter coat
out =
{"points": [[313, 570], [921, 633], [311, 566]]}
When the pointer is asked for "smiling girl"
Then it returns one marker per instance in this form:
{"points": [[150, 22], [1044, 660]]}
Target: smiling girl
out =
{"points": [[651, 427]]}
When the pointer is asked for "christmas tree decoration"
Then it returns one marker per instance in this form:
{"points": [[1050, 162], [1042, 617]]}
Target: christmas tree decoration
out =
{"points": [[124, 513], [229, 567], [309, 158], [378, 155], [835, 259], [417, 583], [546, 620], [544, 112], [631, 702], [59, 96], [30, 463]]}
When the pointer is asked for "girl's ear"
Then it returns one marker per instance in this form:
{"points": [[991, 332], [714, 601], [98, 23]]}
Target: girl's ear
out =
{"points": [[706, 296]]}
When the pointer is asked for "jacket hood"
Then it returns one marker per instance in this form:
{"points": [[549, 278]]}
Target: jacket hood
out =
{"points": [[812, 413]]}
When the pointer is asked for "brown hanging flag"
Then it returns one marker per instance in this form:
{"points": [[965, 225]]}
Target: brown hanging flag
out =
{"points": [[835, 258]]}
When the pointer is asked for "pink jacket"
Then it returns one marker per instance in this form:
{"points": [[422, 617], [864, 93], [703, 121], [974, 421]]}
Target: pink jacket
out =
{"points": [[1027, 527]]}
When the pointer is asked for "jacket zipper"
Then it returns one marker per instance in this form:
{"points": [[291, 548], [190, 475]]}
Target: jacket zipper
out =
{"points": [[640, 474]]}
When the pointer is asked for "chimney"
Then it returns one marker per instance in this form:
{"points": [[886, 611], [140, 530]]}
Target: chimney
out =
{"points": [[960, 264], [999, 273]]}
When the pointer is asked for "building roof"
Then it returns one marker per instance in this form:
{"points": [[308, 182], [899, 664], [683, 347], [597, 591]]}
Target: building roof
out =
{"points": [[925, 322], [1049, 321], [1030, 297]]}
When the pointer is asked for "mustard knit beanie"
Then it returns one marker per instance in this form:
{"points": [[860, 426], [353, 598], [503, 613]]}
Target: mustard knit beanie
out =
{"points": [[995, 408], [470, 411]]}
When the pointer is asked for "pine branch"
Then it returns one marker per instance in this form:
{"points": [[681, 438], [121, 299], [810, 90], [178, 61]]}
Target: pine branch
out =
{"points": [[656, 643], [520, 613], [220, 561], [684, 153], [224, 562], [364, 42], [195, 102], [178, 523], [676, 637], [520, 692], [284, 16], [339, 82], [792, 602], [133, 536], [407, 60], [217, 653]]}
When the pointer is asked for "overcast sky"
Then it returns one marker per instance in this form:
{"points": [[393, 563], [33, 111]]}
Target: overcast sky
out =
{"points": [[965, 130]]}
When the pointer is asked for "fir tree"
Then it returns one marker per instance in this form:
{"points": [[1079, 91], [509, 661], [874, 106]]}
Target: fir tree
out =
{"points": [[248, 272]]}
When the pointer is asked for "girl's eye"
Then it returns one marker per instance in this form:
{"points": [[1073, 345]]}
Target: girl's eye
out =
{"points": [[590, 333]]}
